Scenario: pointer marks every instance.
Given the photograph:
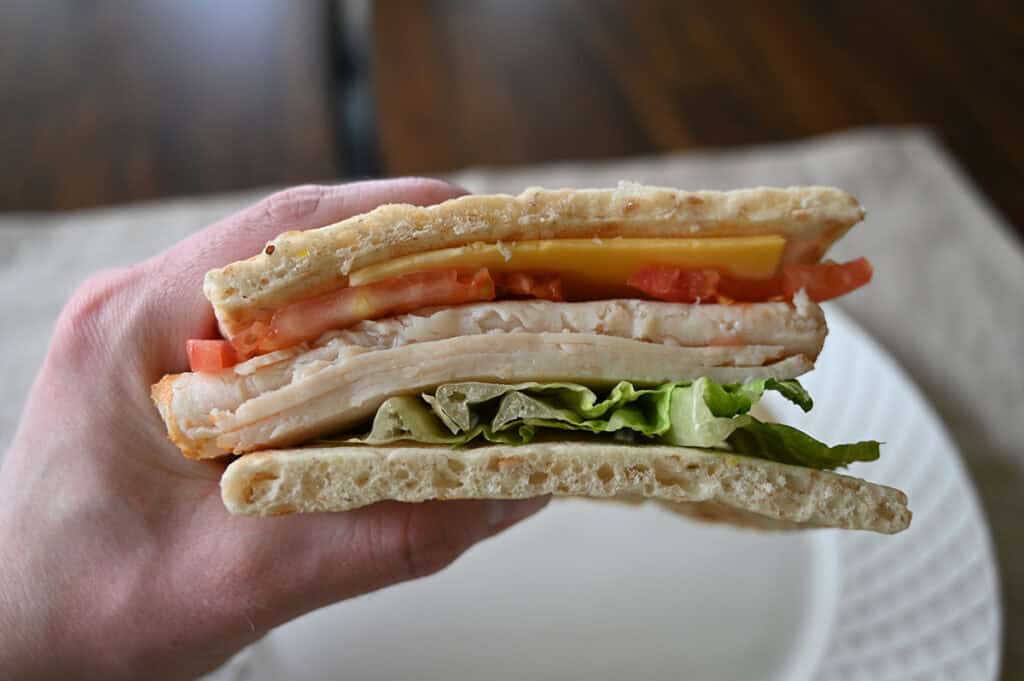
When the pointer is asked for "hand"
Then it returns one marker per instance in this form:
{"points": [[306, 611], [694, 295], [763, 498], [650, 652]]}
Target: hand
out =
{"points": [[119, 559]]}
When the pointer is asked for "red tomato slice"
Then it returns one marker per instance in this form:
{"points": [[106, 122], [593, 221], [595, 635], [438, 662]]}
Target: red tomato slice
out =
{"points": [[544, 286], [750, 290], [826, 280], [822, 281], [676, 285], [307, 319], [209, 355]]}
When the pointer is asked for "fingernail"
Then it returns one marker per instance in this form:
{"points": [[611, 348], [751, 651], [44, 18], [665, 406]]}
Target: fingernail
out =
{"points": [[501, 512], [295, 203]]}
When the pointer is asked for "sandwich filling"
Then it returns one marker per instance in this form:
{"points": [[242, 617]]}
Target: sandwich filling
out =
{"points": [[685, 372], [337, 383], [698, 413], [698, 271], [668, 340]]}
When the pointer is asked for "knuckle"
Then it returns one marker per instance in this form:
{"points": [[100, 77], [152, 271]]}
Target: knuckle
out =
{"points": [[90, 309], [89, 301]]}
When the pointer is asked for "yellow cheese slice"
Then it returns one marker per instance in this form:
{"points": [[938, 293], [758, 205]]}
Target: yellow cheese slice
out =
{"points": [[594, 265]]}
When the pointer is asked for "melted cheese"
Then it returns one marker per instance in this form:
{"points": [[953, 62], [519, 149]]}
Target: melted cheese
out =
{"points": [[589, 266]]}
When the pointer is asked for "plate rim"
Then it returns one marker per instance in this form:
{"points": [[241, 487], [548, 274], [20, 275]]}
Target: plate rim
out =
{"points": [[839, 318]]}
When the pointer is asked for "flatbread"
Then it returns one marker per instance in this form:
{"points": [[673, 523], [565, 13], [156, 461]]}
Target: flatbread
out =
{"points": [[727, 487], [298, 265]]}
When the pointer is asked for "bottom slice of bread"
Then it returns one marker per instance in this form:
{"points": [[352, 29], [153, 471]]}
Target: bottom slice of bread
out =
{"points": [[717, 485]]}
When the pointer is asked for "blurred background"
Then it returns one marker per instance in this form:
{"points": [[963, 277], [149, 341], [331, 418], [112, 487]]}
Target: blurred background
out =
{"points": [[108, 102]]}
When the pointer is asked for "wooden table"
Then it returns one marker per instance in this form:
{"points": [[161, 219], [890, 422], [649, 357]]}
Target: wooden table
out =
{"points": [[463, 83], [117, 101], [105, 102]]}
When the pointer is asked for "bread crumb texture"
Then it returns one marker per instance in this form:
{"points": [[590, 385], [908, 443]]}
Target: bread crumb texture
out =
{"points": [[711, 485]]}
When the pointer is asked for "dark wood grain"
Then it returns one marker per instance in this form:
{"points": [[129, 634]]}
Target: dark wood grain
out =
{"points": [[117, 101], [462, 83]]}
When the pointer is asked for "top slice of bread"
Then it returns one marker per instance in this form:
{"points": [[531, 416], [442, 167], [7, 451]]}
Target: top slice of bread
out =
{"points": [[304, 264]]}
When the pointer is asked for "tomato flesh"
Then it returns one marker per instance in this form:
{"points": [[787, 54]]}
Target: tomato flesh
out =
{"points": [[209, 355], [825, 280], [545, 286], [821, 281], [306, 320], [677, 285]]}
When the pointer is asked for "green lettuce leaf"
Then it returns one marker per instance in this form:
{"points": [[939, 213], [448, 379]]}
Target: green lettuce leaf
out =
{"points": [[564, 406], [786, 444], [408, 418], [700, 413], [738, 398], [704, 414]]}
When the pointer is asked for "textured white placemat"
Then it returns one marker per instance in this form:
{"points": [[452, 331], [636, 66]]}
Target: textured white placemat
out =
{"points": [[947, 300]]}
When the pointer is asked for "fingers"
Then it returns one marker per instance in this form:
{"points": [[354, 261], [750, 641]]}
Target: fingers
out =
{"points": [[175, 277], [392, 542], [307, 562], [398, 541]]}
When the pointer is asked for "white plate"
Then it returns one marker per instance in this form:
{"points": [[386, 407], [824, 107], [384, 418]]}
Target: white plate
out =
{"points": [[595, 590]]}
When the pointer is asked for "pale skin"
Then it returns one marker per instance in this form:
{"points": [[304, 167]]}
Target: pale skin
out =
{"points": [[119, 558]]}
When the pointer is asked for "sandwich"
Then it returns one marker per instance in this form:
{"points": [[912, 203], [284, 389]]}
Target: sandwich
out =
{"points": [[598, 342]]}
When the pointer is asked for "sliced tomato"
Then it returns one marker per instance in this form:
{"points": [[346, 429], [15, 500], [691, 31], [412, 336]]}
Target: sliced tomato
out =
{"points": [[209, 355], [822, 281], [545, 286], [677, 285], [306, 320], [825, 280], [750, 290]]}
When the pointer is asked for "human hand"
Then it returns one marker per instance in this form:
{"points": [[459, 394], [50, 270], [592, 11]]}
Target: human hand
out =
{"points": [[119, 558]]}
